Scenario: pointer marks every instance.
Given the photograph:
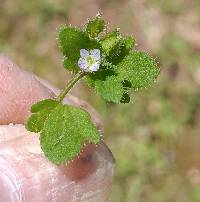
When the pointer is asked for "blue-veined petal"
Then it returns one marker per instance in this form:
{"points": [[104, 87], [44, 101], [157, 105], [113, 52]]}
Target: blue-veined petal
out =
{"points": [[82, 63], [95, 53], [94, 67], [84, 53]]}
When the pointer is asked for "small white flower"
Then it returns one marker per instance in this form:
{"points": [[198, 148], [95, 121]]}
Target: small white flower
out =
{"points": [[89, 60]]}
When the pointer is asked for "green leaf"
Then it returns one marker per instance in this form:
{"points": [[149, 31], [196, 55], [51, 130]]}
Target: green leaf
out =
{"points": [[116, 47], [95, 27], [110, 89], [40, 112], [122, 48], [64, 133], [71, 40], [109, 41], [102, 74], [106, 83], [139, 69], [128, 42], [105, 64]]}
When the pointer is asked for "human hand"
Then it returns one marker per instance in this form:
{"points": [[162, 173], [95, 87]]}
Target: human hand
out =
{"points": [[25, 173]]}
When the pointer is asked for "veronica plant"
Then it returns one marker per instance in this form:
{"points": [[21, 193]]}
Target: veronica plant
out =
{"points": [[110, 65]]}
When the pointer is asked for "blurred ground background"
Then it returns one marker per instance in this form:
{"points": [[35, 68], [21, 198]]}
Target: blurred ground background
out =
{"points": [[156, 139]]}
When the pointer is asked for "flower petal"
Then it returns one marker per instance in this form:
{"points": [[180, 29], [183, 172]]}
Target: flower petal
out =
{"points": [[82, 63], [94, 67], [84, 53], [96, 54]]}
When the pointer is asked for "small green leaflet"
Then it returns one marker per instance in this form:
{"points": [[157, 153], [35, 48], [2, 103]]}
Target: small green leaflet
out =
{"points": [[110, 41], [63, 129], [64, 133], [40, 112], [95, 27], [116, 47], [123, 47]]}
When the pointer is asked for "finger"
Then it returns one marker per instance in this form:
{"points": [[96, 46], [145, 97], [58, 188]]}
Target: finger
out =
{"points": [[10, 132], [27, 175], [18, 91]]}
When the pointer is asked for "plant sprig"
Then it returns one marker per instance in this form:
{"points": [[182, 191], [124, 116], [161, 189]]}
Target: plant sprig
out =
{"points": [[111, 67]]}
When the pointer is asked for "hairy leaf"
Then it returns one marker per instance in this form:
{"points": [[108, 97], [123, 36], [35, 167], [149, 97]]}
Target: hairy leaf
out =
{"points": [[110, 89], [95, 27], [128, 42], [64, 133], [121, 49], [139, 69], [109, 41], [40, 112], [116, 47]]}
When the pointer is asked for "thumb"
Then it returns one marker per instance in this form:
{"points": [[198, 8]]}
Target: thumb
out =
{"points": [[26, 175]]}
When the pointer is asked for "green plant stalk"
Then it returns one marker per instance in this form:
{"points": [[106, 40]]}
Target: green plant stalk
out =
{"points": [[70, 85]]}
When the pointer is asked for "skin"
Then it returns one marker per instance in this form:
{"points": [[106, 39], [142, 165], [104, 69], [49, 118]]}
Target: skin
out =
{"points": [[25, 173]]}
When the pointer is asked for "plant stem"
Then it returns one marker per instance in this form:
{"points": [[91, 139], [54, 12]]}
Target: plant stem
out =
{"points": [[69, 85]]}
